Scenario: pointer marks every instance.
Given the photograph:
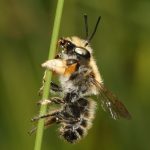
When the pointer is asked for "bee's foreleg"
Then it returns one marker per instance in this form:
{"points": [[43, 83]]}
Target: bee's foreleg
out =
{"points": [[58, 66]]}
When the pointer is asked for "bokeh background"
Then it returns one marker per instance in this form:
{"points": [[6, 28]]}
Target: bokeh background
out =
{"points": [[121, 48]]}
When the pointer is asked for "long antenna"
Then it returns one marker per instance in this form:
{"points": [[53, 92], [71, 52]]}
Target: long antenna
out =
{"points": [[94, 31], [86, 26]]}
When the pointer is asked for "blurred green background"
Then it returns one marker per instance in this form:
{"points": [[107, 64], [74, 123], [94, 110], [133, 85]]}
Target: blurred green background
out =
{"points": [[121, 48]]}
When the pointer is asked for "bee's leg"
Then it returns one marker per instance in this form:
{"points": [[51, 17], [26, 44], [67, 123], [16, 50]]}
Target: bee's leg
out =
{"points": [[43, 81], [54, 114], [49, 121], [56, 88], [30, 132], [55, 100]]}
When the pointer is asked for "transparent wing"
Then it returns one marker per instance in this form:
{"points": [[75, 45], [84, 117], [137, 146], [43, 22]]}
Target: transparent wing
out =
{"points": [[110, 103]]}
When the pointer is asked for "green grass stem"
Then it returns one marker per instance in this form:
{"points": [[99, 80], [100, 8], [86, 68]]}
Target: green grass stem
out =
{"points": [[40, 126]]}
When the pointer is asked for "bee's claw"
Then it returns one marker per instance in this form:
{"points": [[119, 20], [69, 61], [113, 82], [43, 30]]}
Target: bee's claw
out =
{"points": [[39, 102], [32, 131], [40, 92], [35, 118]]}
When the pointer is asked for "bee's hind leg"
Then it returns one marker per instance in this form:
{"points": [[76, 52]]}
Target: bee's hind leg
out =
{"points": [[49, 121], [52, 117], [51, 114]]}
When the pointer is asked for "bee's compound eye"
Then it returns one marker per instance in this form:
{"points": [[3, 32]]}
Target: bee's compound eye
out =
{"points": [[70, 46], [80, 51]]}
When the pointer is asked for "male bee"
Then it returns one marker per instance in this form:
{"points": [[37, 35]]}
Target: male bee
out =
{"points": [[79, 79]]}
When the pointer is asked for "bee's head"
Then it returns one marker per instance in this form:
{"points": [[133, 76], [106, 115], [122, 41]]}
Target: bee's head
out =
{"points": [[74, 47], [66, 46]]}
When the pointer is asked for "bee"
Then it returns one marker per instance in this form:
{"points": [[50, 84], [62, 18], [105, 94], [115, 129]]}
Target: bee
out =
{"points": [[79, 79]]}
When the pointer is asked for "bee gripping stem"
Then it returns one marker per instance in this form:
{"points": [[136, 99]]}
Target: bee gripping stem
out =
{"points": [[39, 133]]}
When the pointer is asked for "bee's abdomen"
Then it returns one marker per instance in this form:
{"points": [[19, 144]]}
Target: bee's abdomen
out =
{"points": [[74, 131], [71, 134]]}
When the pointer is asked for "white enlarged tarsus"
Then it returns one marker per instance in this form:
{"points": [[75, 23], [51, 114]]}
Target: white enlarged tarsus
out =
{"points": [[53, 63], [56, 65]]}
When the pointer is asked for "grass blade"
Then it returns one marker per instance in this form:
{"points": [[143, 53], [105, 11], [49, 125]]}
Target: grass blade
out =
{"points": [[48, 76]]}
